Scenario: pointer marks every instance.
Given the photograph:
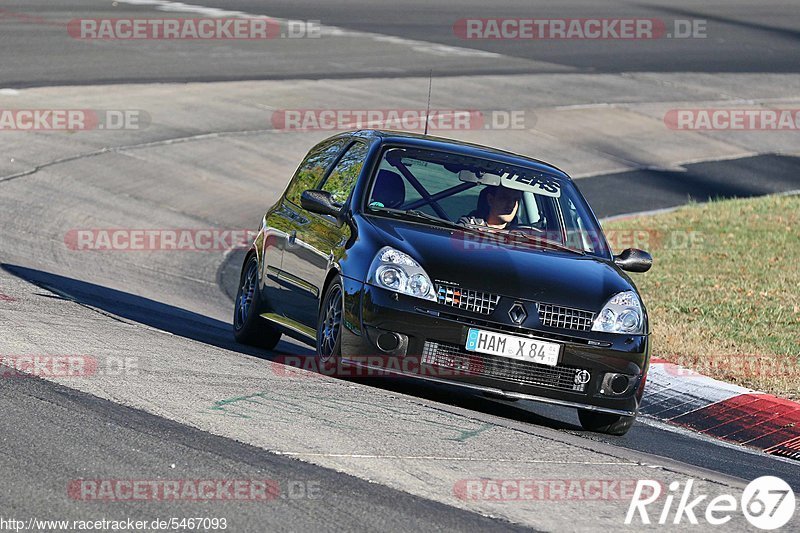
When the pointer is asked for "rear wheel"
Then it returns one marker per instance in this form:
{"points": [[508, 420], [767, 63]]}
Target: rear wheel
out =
{"points": [[248, 326], [329, 324], [605, 422]]}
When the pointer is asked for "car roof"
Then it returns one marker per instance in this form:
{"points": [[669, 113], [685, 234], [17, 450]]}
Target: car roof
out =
{"points": [[451, 145]]}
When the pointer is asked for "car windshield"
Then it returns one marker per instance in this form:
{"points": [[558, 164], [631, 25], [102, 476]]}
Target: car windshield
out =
{"points": [[525, 207]]}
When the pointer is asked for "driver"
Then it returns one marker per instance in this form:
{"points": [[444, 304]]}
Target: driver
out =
{"points": [[497, 207]]}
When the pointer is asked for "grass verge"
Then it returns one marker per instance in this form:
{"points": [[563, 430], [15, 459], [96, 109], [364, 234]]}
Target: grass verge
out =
{"points": [[724, 292]]}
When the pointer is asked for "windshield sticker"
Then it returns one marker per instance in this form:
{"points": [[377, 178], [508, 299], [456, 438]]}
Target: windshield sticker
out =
{"points": [[536, 184], [542, 184]]}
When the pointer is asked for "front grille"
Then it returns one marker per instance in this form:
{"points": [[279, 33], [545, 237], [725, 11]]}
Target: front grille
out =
{"points": [[469, 300], [556, 316], [453, 357]]}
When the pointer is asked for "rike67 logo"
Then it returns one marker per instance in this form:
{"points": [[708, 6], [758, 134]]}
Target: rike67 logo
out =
{"points": [[767, 503]]}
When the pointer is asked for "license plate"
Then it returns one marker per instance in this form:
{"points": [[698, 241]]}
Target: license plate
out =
{"points": [[522, 348]]}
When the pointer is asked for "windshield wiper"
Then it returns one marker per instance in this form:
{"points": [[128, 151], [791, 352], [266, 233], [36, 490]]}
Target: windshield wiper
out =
{"points": [[533, 239]]}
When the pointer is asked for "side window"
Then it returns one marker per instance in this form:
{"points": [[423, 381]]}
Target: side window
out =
{"points": [[343, 177], [577, 235], [313, 168]]}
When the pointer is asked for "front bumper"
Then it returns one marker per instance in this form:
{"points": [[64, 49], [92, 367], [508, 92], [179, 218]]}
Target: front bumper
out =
{"points": [[432, 336]]}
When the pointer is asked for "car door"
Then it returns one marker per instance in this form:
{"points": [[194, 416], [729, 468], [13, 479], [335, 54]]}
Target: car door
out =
{"points": [[320, 241], [285, 221]]}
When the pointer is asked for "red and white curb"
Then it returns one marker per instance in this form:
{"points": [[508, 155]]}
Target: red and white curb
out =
{"points": [[728, 412]]}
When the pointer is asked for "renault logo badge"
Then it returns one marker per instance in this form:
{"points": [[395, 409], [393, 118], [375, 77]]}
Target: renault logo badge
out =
{"points": [[517, 313]]}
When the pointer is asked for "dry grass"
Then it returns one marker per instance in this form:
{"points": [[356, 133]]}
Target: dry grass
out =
{"points": [[724, 291]]}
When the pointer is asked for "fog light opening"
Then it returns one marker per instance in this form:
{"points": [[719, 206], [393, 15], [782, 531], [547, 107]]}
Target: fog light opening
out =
{"points": [[615, 384], [619, 383], [388, 341]]}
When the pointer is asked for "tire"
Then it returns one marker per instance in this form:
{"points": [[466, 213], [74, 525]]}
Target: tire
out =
{"points": [[605, 422], [248, 327], [329, 324]]}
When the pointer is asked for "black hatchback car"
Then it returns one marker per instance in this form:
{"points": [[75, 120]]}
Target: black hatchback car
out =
{"points": [[455, 263]]}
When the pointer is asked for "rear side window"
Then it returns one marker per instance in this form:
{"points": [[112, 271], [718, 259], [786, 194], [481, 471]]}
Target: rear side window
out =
{"points": [[312, 169], [343, 177]]}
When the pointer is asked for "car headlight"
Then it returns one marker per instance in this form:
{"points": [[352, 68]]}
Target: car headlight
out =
{"points": [[394, 270], [621, 314]]}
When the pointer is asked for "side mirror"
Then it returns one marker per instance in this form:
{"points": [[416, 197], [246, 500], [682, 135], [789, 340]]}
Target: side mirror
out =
{"points": [[634, 260], [320, 202]]}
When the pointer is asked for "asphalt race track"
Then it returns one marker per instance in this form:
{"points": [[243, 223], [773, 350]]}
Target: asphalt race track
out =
{"points": [[742, 39], [174, 398]]}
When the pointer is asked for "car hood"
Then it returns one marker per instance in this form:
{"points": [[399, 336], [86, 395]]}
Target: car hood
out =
{"points": [[516, 270]]}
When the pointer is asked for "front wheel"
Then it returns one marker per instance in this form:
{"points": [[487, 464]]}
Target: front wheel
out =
{"points": [[329, 324], [248, 326], [605, 422]]}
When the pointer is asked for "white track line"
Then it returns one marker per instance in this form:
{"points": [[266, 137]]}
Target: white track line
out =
{"points": [[447, 458]]}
